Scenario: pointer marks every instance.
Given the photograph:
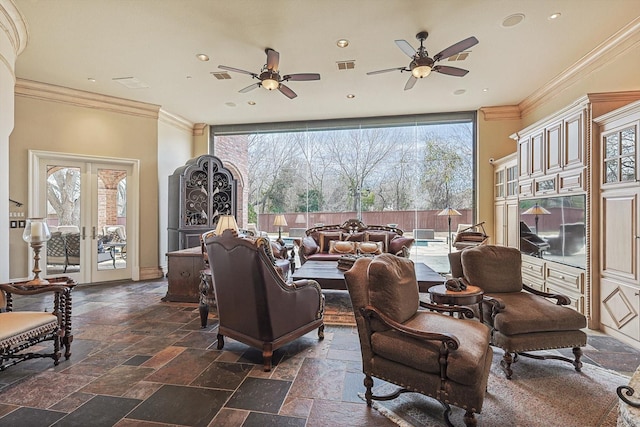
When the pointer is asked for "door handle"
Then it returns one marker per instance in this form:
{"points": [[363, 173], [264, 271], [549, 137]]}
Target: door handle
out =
{"points": [[83, 233], [93, 232]]}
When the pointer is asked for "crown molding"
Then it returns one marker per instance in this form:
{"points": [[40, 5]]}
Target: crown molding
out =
{"points": [[199, 128], [616, 45], [64, 95], [14, 25], [501, 112], [176, 121]]}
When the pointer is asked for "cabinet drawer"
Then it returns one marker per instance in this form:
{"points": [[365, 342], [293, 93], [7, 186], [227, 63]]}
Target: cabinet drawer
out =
{"points": [[577, 299], [572, 181], [533, 269], [533, 282], [571, 280], [525, 187]]}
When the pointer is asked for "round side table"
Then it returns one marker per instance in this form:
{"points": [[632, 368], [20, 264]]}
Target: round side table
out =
{"points": [[470, 296]]}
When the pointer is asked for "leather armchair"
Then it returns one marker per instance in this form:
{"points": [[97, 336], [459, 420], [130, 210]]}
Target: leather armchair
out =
{"points": [[426, 352], [521, 318], [255, 305]]}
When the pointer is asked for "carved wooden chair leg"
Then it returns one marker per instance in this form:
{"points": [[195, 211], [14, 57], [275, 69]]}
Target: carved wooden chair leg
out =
{"points": [[470, 419], [506, 362], [368, 394], [203, 308], [267, 354], [321, 332], [220, 341], [577, 352]]}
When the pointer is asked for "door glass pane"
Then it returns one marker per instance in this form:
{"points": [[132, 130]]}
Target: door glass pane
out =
{"points": [[63, 219], [628, 141], [628, 168], [611, 171], [611, 146], [111, 232]]}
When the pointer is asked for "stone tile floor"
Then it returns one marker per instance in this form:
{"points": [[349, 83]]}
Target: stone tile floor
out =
{"points": [[137, 361]]}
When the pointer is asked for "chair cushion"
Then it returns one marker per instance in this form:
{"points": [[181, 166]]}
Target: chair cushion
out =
{"points": [[493, 268], [393, 288], [526, 313], [464, 366], [18, 326]]}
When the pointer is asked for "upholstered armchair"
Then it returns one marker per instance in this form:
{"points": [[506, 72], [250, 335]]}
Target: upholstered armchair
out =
{"points": [[426, 352], [255, 305], [521, 318]]}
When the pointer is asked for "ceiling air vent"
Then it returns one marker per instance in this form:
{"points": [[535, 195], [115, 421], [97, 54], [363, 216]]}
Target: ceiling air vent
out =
{"points": [[221, 76], [131, 82], [459, 56], [346, 65]]}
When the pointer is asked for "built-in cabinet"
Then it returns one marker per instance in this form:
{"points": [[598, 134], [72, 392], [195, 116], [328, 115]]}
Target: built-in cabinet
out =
{"points": [[506, 232], [619, 180], [553, 277]]}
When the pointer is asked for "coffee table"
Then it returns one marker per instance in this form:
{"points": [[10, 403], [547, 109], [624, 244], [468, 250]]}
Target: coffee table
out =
{"points": [[327, 274]]}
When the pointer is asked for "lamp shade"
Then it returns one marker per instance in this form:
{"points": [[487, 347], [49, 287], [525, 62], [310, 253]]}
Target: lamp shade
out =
{"points": [[226, 222], [536, 210], [280, 221], [300, 219], [449, 212], [36, 230]]}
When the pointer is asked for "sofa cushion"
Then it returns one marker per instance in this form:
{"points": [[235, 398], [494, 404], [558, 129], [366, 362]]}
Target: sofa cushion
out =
{"points": [[371, 248], [324, 256], [340, 247], [309, 246], [326, 237], [378, 236], [393, 288], [355, 237], [398, 242]]}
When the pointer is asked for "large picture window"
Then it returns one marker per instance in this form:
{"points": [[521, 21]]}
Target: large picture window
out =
{"points": [[397, 170]]}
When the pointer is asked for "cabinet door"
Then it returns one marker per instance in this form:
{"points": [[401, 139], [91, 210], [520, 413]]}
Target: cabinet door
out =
{"points": [[553, 147], [619, 236], [513, 225], [524, 157], [620, 307], [499, 218], [574, 141], [537, 154]]}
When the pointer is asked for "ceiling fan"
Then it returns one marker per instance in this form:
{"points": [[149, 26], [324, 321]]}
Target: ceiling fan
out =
{"points": [[270, 78], [422, 65]]}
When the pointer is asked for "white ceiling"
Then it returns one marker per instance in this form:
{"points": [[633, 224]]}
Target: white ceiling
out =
{"points": [[156, 41]]}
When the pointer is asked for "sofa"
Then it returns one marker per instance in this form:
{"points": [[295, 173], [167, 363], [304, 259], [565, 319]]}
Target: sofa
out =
{"points": [[330, 242]]}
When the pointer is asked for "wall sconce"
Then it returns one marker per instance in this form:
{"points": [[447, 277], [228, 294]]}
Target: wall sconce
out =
{"points": [[280, 221], [36, 233], [226, 222]]}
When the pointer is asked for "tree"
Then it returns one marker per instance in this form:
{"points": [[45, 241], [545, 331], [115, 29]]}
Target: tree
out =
{"points": [[63, 194]]}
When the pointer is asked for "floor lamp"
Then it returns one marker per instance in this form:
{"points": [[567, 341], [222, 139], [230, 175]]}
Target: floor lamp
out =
{"points": [[449, 212], [536, 210]]}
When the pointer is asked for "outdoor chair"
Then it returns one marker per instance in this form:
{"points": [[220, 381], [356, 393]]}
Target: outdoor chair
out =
{"points": [[521, 318], [426, 352], [255, 305]]}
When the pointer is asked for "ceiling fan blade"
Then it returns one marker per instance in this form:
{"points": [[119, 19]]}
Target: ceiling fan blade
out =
{"points": [[273, 59], [410, 83], [370, 73], [456, 48], [451, 71], [287, 91], [301, 77], [237, 70], [406, 48], [250, 87]]}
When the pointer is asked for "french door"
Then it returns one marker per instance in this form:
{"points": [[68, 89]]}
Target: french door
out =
{"points": [[91, 208]]}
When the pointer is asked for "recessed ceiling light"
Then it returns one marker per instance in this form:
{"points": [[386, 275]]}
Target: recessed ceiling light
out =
{"points": [[554, 16], [513, 20], [342, 43], [91, 79], [251, 102], [188, 77], [351, 96], [230, 104], [486, 89], [202, 57], [459, 92]]}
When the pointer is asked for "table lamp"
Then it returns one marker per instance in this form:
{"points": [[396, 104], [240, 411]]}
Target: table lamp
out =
{"points": [[280, 221], [226, 222], [36, 233], [449, 212]]}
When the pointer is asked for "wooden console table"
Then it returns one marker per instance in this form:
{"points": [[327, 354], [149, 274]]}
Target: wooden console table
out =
{"points": [[184, 275]]}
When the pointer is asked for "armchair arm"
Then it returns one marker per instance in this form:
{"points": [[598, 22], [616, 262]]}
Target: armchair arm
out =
{"points": [[465, 311], [496, 304], [560, 298], [449, 340]]}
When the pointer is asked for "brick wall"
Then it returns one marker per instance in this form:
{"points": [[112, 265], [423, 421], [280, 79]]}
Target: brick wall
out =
{"points": [[233, 151]]}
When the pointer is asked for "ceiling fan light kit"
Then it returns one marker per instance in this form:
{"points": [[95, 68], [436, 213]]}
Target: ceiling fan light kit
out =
{"points": [[422, 65]]}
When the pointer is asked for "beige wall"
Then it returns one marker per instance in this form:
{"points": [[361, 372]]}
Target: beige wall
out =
{"points": [[61, 127]]}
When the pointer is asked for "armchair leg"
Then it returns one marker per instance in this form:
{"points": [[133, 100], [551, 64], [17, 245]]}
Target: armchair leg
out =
{"points": [[204, 314], [506, 362], [368, 394], [220, 341], [469, 419], [577, 352], [321, 332], [267, 354]]}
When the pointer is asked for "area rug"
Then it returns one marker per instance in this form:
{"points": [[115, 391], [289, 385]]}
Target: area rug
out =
{"points": [[540, 394], [337, 308]]}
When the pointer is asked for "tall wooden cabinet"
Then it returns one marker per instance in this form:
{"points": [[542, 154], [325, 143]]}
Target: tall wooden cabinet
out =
{"points": [[199, 192], [506, 221], [619, 179]]}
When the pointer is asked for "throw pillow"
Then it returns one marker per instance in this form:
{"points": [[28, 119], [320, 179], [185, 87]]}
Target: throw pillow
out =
{"points": [[340, 247], [370, 248], [309, 246], [396, 245], [393, 288], [326, 237], [355, 237], [378, 236]]}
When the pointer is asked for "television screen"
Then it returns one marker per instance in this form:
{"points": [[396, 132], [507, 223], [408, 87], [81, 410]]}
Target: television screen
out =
{"points": [[553, 228]]}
